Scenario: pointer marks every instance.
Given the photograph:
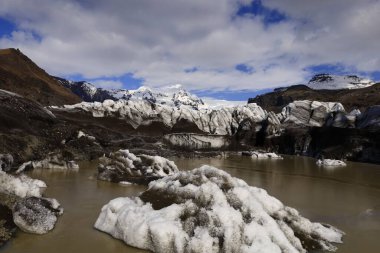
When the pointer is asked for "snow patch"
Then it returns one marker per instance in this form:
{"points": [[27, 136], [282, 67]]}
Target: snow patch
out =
{"points": [[335, 82]]}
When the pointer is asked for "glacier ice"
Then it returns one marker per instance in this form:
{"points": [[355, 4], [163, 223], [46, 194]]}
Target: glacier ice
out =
{"points": [[330, 162], [36, 215], [21, 186], [207, 210], [123, 165]]}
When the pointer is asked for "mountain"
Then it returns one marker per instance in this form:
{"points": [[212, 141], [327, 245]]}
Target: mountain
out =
{"points": [[21, 75], [350, 98], [172, 95], [335, 82], [85, 90]]}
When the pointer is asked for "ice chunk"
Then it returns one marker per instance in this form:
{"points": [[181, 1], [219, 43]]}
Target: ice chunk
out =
{"points": [[125, 166], [36, 215], [22, 186], [87, 136], [330, 163], [207, 210], [264, 155]]}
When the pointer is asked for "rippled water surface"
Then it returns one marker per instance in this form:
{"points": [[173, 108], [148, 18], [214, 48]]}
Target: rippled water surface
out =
{"points": [[347, 197]]}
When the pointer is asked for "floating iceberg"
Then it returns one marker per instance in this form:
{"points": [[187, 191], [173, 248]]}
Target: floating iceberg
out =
{"points": [[125, 166], [52, 162], [330, 162], [207, 210], [263, 155]]}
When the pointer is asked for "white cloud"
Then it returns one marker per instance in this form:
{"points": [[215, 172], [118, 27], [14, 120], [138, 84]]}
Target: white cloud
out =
{"points": [[158, 40]]}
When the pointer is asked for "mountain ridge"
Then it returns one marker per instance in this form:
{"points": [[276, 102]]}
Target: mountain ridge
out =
{"points": [[174, 95], [360, 98]]}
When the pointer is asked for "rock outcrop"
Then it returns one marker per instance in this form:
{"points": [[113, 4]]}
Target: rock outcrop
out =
{"points": [[6, 161], [36, 215], [370, 119], [207, 210], [7, 226], [124, 166]]}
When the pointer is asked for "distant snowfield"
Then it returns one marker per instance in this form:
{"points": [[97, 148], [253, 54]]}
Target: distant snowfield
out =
{"points": [[335, 82]]}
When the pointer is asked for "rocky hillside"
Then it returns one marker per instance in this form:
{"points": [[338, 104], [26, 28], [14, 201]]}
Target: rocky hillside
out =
{"points": [[21, 75], [85, 90], [350, 98]]}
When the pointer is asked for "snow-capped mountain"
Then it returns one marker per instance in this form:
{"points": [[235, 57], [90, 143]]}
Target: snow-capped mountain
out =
{"points": [[86, 91], [172, 95], [335, 82]]}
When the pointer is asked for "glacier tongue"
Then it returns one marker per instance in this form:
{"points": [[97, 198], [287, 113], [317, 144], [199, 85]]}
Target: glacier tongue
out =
{"points": [[223, 121], [207, 210]]}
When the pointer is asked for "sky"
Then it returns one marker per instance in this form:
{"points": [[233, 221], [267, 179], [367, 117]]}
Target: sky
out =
{"points": [[226, 49]]}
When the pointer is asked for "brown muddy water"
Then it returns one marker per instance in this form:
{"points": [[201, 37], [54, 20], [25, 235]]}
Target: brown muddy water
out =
{"points": [[347, 197]]}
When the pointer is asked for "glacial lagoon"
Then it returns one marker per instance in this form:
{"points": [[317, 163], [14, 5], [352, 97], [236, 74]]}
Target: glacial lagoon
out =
{"points": [[346, 197]]}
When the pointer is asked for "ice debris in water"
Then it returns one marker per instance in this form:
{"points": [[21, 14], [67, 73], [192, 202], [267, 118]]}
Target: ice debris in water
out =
{"points": [[207, 210], [36, 215], [330, 162], [22, 186], [263, 155], [126, 166], [55, 162]]}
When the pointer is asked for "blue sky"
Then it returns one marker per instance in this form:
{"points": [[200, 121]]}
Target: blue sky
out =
{"points": [[218, 48]]}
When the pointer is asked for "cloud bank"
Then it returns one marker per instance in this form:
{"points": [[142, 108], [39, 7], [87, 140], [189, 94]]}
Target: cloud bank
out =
{"points": [[204, 45]]}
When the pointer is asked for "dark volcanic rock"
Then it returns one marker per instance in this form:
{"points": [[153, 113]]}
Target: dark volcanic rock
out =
{"points": [[370, 118], [7, 226], [6, 161], [36, 215]]}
